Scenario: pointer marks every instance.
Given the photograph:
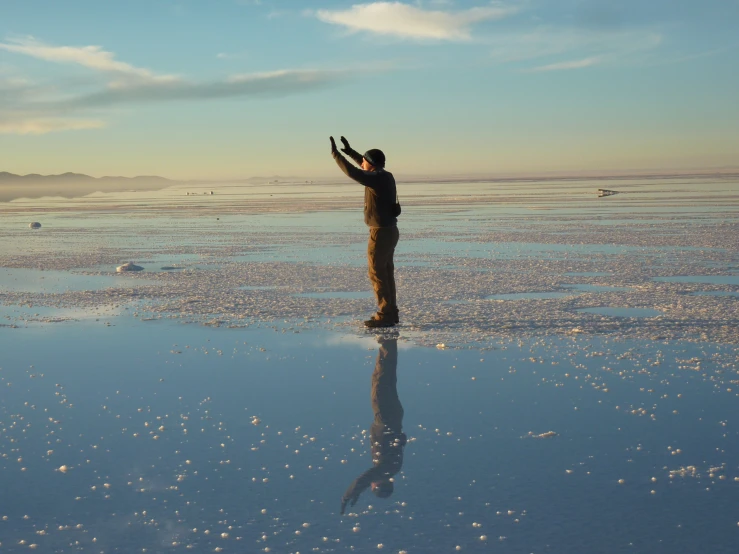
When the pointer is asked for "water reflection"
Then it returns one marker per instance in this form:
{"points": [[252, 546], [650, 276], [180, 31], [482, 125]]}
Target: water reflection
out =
{"points": [[387, 440]]}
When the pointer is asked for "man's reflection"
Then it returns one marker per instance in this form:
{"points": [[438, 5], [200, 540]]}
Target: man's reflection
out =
{"points": [[387, 439]]}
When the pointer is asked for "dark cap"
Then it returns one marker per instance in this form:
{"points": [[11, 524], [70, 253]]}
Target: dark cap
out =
{"points": [[375, 157]]}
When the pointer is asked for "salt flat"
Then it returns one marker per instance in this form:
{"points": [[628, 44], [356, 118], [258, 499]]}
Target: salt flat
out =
{"points": [[217, 400], [239, 256]]}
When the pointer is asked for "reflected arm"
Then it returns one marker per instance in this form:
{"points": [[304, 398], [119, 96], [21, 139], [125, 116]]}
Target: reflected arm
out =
{"points": [[360, 484]]}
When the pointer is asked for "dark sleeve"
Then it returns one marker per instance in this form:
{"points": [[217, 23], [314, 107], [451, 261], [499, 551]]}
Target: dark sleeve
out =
{"points": [[361, 484], [354, 155], [367, 178]]}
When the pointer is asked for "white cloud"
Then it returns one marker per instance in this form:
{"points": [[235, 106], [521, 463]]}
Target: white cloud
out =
{"points": [[295, 75], [408, 21], [92, 57], [273, 84], [572, 64], [27, 108]]}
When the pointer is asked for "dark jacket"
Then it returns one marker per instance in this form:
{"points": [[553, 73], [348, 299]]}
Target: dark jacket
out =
{"points": [[379, 190]]}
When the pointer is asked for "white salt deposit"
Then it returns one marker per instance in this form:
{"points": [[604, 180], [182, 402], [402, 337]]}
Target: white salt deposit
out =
{"points": [[128, 266], [546, 435]]}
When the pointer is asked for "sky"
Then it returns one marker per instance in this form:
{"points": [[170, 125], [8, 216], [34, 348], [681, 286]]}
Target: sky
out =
{"points": [[225, 89]]}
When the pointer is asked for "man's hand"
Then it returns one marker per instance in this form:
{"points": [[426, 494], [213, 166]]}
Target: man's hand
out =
{"points": [[346, 148], [333, 145], [345, 501]]}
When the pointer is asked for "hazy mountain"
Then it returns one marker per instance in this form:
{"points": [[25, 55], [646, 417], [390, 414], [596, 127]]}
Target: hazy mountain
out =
{"points": [[72, 185], [258, 180]]}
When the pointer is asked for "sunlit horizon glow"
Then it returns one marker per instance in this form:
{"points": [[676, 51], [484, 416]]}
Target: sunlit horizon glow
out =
{"points": [[236, 89]]}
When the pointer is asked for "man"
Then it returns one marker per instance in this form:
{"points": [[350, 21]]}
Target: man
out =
{"points": [[387, 439], [380, 216]]}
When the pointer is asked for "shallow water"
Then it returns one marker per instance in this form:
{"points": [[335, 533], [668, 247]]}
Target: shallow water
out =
{"points": [[587, 274], [529, 295], [337, 294], [225, 406], [614, 311], [50, 281], [596, 288], [158, 436], [709, 279]]}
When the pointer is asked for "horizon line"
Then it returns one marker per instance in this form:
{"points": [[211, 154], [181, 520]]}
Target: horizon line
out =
{"points": [[559, 173]]}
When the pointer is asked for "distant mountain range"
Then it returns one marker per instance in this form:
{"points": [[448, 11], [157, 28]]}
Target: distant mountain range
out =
{"points": [[71, 185], [75, 185], [6, 177]]}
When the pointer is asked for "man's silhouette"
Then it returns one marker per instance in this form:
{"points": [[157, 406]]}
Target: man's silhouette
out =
{"points": [[380, 215], [387, 439]]}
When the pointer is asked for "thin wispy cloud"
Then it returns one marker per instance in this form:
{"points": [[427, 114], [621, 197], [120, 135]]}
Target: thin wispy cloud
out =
{"points": [[41, 126], [12, 82], [17, 116], [572, 48], [412, 22], [555, 47], [92, 57], [572, 64], [274, 84], [17, 91], [696, 56], [232, 55], [27, 108]]}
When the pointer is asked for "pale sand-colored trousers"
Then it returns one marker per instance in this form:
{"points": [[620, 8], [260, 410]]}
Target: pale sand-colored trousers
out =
{"points": [[380, 250]]}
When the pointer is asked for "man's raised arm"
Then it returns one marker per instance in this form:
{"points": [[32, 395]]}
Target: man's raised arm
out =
{"points": [[366, 178], [349, 151]]}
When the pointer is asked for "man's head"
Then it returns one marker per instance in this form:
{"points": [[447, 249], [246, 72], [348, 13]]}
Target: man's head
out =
{"points": [[383, 489], [373, 159]]}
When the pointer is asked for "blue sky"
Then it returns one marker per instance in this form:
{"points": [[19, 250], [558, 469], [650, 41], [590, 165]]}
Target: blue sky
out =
{"points": [[232, 88]]}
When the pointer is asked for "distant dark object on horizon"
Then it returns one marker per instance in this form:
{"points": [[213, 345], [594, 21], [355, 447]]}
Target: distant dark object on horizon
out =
{"points": [[35, 225], [606, 192]]}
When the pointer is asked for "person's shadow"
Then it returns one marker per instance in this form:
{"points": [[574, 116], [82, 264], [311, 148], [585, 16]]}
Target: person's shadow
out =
{"points": [[387, 440]]}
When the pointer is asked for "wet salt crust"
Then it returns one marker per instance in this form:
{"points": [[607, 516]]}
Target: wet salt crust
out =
{"points": [[244, 440], [532, 426], [669, 246]]}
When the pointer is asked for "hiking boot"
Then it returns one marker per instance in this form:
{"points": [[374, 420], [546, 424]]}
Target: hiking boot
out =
{"points": [[392, 314], [377, 323]]}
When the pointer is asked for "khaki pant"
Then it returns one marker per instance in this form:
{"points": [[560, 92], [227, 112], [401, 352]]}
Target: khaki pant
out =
{"points": [[380, 250], [385, 402]]}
